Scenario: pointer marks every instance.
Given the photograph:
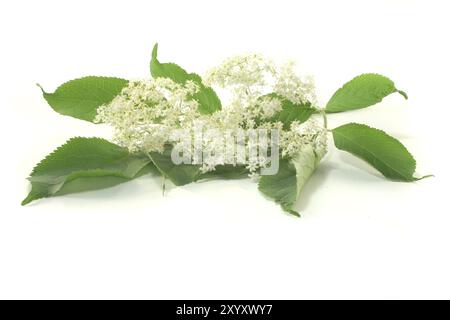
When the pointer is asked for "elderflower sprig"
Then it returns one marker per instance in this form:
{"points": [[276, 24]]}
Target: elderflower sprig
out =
{"points": [[266, 126]]}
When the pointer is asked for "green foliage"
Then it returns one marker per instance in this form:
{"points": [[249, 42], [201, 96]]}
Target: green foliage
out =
{"points": [[179, 174], [182, 174], [292, 112], [285, 186], [83, 164], [208, 100], [227, 172], [361, 92], [80, 98], [281, 187], [379, 149]]}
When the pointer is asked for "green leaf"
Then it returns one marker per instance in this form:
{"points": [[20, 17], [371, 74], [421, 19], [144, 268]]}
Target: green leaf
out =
{"points": [[379, 149], [285, 186], [93, 181], [361, 92], [292, 112], [207, 98], [167, 70], [83, 164], [227, 172], [179, 174], [281, 187], [80, 98]]}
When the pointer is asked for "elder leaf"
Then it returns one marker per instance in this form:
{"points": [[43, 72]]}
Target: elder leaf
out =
{"points": [[207, 98], [179, 174], [292, 112], [285, 186], [81, 97], [385, 153], [83, 164], [361, 92]]}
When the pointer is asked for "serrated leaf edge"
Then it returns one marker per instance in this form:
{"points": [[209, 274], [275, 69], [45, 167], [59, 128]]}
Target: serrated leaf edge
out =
{"points": [[47, 158], [77, 79], [384, 133], [401, 92]]}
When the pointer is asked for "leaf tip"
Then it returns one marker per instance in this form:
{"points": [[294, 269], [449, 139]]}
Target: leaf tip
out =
{"points": [[294, 213], [27, 200], [291, 211], [40, 87], [424, 177], [403, 93], [155, 51]]}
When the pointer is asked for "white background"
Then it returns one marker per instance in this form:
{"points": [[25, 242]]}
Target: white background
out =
{"points": [[360, 236]]}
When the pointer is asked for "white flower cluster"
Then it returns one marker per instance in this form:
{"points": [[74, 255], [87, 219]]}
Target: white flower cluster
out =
{"points": [[253, 75], [148, 113], [295, 88], [301, 134], [246, 70], [146, 110]]}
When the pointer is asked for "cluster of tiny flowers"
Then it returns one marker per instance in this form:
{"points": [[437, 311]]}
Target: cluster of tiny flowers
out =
{"points": [[293, 87], [251, 76], [245, 70], [148, 114], [301, 134], [146, 111]]}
